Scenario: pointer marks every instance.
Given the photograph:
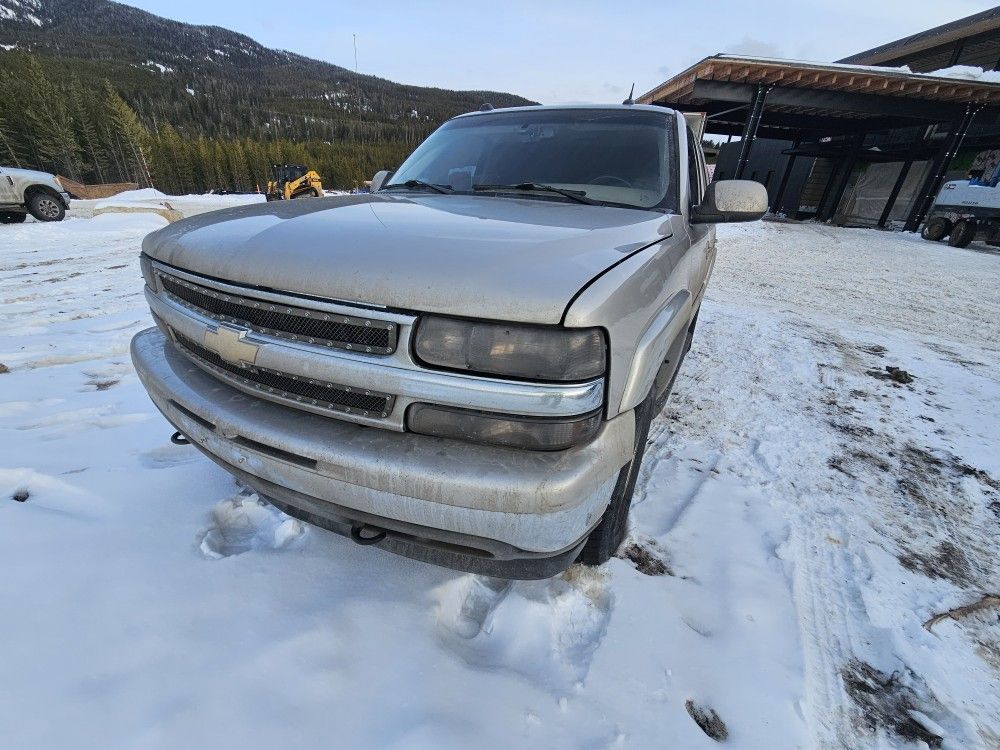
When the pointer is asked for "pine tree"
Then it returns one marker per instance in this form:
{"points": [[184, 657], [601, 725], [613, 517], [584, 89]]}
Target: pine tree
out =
{"points": [[239, 169], [130, 137], [183, 158], [6, 146], [85, 127], [206, 174], [48, 122], [162, 151], [221, 167]]}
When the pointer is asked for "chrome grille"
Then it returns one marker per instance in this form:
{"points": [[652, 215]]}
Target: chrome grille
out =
{"points": [[293, 323], [292, 387]]}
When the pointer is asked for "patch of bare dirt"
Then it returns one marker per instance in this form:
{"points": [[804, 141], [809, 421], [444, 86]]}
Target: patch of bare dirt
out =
{"points": [[646, 557], [944, 560], [886, 702], [940, 523], [853, 429], [103, 385], [709, 721], [874, 349], [897, 375]]}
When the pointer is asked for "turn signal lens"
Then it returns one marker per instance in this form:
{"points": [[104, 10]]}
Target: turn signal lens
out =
{"points": [[529, 433], [146, 265], [511, 350]]}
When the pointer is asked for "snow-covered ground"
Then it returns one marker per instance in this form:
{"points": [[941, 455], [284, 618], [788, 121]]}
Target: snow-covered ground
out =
{"points": [[799, 516]]}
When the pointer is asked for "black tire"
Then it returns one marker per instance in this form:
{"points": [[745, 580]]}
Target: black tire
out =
{"points": [[12, 217], [962, 233], [308, 193], [46, 207], [609, 534], [936, 229], [690, 333]]}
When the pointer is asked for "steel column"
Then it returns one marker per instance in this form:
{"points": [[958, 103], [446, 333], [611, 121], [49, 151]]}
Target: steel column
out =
{"points": [[894, 193], [750, 129], [776, 203], [939, 168], [840, 178]]}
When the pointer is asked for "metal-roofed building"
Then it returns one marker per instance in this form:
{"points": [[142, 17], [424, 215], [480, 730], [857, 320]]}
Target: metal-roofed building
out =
{"points": [[973, 41], [849, 143]]}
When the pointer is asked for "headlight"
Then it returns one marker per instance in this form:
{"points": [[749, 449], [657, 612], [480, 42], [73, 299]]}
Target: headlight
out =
{"points": [[530, 433], [147, 271], [511, 350]]}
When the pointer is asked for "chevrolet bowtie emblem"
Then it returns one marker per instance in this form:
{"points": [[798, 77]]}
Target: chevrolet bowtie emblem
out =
{"points": [[229, 344]]}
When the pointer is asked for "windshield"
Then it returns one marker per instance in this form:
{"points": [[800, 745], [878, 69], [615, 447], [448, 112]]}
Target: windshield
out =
{"points": [[621, 157]]}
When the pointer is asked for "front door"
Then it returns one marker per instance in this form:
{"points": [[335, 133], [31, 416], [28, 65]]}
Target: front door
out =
{"points": [[702, 235]]}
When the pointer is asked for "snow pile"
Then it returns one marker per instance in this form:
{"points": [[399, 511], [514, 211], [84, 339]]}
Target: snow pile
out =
{"points": [[152, 200], [801, 512], [968, 73], [142, 194]]}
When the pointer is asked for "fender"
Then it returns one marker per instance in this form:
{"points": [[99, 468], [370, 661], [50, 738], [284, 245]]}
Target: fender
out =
{"points": [[668, 323], [629, 296]]}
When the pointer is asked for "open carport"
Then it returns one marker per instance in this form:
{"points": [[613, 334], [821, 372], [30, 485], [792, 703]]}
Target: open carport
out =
{"points": [[837, 117]]}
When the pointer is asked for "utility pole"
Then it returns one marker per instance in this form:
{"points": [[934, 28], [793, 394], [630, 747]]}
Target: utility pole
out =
{"points": [[355, 52]]}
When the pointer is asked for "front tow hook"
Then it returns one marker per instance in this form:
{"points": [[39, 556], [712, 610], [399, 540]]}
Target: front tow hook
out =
{"points": [[364, 534]]}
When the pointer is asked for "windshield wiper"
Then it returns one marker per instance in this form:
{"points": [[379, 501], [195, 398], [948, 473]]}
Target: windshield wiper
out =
{"points": [[422, 184], [576, 195]]}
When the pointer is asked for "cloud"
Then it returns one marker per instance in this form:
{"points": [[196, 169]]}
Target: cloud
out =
{"points": [[755, 47]]}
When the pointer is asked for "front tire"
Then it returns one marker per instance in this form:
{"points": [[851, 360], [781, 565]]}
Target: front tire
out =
{"points": [[12, 217], [962, 233], [609, 534], [936, 229], [46, 207]]}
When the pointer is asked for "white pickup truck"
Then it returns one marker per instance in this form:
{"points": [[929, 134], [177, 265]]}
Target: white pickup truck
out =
{"points": [[25, 191]]}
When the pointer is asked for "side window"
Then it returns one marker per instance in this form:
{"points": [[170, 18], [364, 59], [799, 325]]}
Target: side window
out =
{"points": [[696, 172]]}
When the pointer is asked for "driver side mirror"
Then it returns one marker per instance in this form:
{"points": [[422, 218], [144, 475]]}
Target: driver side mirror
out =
{"points": [[379, 179], [731, 200]]}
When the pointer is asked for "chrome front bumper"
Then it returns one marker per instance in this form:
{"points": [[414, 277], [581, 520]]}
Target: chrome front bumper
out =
{"points": [[466, 506]]}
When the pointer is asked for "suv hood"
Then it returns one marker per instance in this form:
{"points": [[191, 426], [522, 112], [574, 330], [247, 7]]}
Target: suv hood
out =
{"points": [[500, 258]]}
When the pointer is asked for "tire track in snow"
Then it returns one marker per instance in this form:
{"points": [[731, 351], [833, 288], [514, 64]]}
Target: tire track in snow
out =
{"points": [[765, 418]]}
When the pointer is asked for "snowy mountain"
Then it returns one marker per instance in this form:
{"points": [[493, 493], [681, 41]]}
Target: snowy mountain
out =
{"points": [[217, 82], [21, 11]]}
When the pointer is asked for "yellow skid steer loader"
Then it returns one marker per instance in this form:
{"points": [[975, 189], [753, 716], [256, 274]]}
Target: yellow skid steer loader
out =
{"points": [[293, 181]]}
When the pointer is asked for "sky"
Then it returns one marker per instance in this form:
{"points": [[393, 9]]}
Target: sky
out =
{"points": [[557, 51]]}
